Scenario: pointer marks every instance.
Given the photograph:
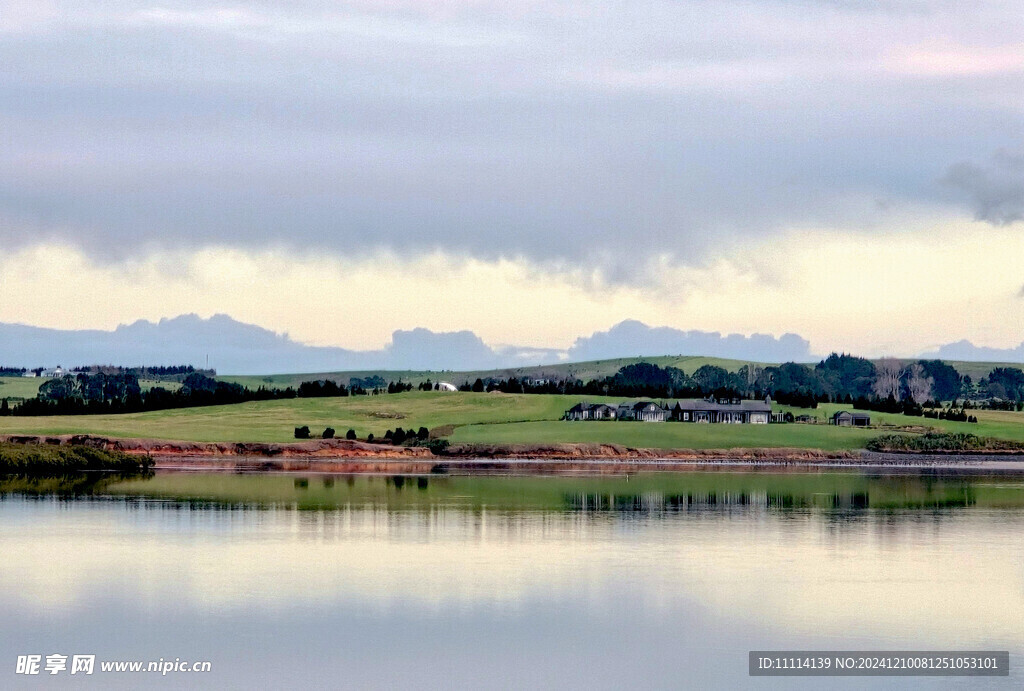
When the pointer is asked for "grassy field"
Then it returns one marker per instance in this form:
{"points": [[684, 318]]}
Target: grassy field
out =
{"points": [[668, 435], [584, 371], [274, 421], [28, 387], [484, 418]]}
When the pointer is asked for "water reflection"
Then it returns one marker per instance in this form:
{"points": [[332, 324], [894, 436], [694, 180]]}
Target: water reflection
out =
{"points": [[664, 580], [653, 493]]}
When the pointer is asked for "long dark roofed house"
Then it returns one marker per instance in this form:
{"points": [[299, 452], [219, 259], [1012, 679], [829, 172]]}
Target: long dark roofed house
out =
{"points": [[732, 411]]}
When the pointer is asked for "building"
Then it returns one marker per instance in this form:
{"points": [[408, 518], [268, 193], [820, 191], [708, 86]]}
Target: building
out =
{"points": [[845, 418], [734, 411], [727, 412], [646, 411], [447, 386], [587, 411]]}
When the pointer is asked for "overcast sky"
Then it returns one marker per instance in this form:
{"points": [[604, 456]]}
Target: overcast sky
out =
{"points": [[852, 172]]}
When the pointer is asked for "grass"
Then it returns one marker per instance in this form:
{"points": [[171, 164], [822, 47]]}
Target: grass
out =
{"points": [[486, 418], [584, 371], [20, 387], [274, 421], [669, 435], [991, 423], [28, 387], [39, 458]]}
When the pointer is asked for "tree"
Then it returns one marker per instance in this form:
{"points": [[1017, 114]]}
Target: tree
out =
{"points": [[847, 374], [351, 434], [329, 433], [947, 383], [919, 384], [302, 432], [888, 375], [423, 433], [5, 409], [478, 385]]}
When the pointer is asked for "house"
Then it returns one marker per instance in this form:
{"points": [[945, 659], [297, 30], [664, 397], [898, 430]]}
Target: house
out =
{"points": [[447, 386], [58, 371], [731, 411], [644, 411], [586, 411], [845, 418]]}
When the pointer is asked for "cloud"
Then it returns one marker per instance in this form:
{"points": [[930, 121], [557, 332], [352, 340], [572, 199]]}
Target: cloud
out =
{"points": [[634, 338], [566, 133], [995, 189], [965, 350], [836, 289]]}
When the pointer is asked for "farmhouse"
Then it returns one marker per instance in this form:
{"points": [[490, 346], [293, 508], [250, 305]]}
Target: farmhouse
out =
{"points": [[730, 412], [690, 410], [844, 418], [587, 411], [645, 411]]}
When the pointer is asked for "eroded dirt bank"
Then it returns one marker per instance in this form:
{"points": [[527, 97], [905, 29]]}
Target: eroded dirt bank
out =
{"points": [[344, 456]]}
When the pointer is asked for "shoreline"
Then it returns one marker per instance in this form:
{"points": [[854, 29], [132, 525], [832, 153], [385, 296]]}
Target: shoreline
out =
{"points": [[345, 456]]}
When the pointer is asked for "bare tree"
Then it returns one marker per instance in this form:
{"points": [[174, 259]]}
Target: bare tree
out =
{"points": [[888, 372], [919, 384]]}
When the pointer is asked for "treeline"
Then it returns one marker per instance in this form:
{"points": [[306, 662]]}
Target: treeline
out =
{"points": [[843, 378], [12, 371], [94, 394]]}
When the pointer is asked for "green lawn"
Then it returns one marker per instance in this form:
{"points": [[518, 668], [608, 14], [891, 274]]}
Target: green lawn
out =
{"points": [[668, 435], [991, 423], [274, 421], [28, 387], [20, 387], [485, 418]]}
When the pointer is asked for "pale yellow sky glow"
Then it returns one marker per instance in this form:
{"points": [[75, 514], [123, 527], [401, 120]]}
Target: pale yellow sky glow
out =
{"points": [[870, 293]]}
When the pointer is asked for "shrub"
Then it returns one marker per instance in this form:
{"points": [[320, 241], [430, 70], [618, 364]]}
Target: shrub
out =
{"points": [[329, 433], [302, 432], [351, 434]]}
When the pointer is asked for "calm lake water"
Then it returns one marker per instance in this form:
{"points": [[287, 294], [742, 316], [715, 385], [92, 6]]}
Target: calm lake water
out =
{"points": [[660, 580]]}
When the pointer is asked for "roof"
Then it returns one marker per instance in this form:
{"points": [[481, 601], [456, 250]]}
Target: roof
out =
{"points": [[640, 405], [850, 413], [742, 406]]}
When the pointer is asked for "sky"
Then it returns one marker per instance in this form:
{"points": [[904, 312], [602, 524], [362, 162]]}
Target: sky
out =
{"points": [[533, 172]]}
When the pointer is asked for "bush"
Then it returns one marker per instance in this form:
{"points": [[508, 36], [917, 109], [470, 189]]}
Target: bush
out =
{"points": [[423, 433], [302, 432], [329, 433], [351, 434]]}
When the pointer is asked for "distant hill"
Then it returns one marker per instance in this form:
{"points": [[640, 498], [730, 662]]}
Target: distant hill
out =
{"points": [[233, 347], [236, 348]]}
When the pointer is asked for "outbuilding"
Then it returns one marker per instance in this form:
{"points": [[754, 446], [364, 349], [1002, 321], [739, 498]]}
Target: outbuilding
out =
{"points": [[845, 418]]}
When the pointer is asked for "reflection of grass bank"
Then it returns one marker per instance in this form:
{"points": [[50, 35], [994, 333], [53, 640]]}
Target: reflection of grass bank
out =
{"points": [[47, 459], [940, 442], [658, 492]]}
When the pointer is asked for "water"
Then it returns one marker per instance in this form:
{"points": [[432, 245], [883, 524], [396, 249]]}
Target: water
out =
{"points": [[657, 580]]}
